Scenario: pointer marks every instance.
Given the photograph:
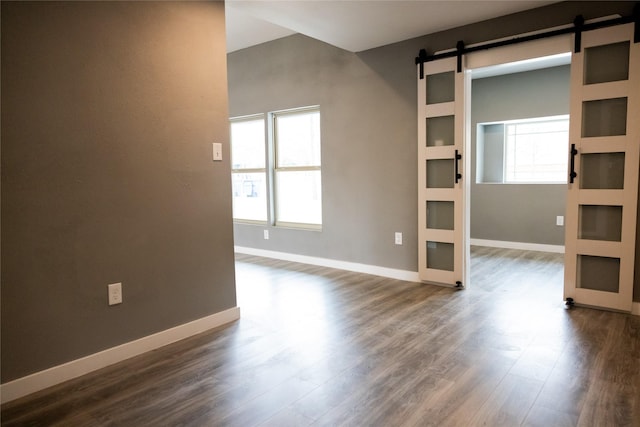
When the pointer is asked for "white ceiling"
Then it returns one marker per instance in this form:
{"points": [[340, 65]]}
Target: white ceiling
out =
{"points": [[356, 25]]}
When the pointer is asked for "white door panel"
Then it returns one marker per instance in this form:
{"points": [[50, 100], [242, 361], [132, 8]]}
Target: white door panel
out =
{"points": [[602, 199], [442, 94]]}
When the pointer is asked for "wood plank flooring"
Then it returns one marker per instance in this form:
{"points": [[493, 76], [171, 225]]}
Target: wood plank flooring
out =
{"points": [[324, 347]]}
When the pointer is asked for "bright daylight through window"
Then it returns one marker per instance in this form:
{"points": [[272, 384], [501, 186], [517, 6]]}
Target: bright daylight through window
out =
{"points": [[277, 180], [298, 188], [532, 151], [248, 171]]}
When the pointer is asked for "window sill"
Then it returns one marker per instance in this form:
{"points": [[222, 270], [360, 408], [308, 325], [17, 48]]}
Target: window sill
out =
{"points": [[521, 183]]}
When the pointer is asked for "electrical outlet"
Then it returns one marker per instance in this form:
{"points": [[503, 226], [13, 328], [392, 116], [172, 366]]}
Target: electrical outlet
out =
{"points": [[266, 234], [560, 220], [115, 293], [398, 238]]}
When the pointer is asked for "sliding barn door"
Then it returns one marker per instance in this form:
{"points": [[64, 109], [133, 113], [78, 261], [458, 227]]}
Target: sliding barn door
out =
{"points": [[441, 182], [602, 198]]}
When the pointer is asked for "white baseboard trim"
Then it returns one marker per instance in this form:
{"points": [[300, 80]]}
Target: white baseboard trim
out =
{"points": [[392, 273], [75, 368], [635, 308], [518, 245]]}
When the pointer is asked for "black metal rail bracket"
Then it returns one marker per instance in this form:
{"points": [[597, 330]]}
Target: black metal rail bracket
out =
{"points": [[460, 51], [636, 21], [578, 24]]}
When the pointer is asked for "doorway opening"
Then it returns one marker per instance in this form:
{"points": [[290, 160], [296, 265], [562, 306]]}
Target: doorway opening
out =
{"points": [[518, 145]]}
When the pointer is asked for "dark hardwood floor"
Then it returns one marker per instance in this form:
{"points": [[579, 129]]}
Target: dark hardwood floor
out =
{"points": [[324, 347]]}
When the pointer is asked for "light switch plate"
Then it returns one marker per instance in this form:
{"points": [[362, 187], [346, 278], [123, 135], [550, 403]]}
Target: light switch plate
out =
{"points": [[217, 151]]}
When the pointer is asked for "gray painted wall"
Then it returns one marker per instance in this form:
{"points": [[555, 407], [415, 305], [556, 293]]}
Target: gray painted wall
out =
{"points": [[108, 114], [360, 170], [518, 212], [368, 103]]}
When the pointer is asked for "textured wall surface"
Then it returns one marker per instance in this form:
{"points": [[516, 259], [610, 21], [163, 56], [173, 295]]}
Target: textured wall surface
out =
{"points": [[108, 114]]}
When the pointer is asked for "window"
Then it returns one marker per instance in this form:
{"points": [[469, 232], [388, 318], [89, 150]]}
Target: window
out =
{"points": [[248, 171], [297, 173], [288, 191], [536, 151], [524, 151]]}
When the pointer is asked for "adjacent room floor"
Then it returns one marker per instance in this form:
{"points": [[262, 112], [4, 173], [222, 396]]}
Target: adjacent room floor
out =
{"points": [[318, 346]]}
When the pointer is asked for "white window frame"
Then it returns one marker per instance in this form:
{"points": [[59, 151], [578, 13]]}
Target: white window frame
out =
{"points": [[275, 168], [254, 117], [272, 168], [506, 124]]}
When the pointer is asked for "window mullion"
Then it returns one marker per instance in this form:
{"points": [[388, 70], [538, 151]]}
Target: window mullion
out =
{"points": [[297, 168], [249, 170]]}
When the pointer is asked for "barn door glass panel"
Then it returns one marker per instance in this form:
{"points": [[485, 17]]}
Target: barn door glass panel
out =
{"points": [[440, 131], [608, 63], [599, 273], [604, 117], [600, 223], [602, 171], [440, 87], [440, 215], [440, 256], [440, 173]]}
